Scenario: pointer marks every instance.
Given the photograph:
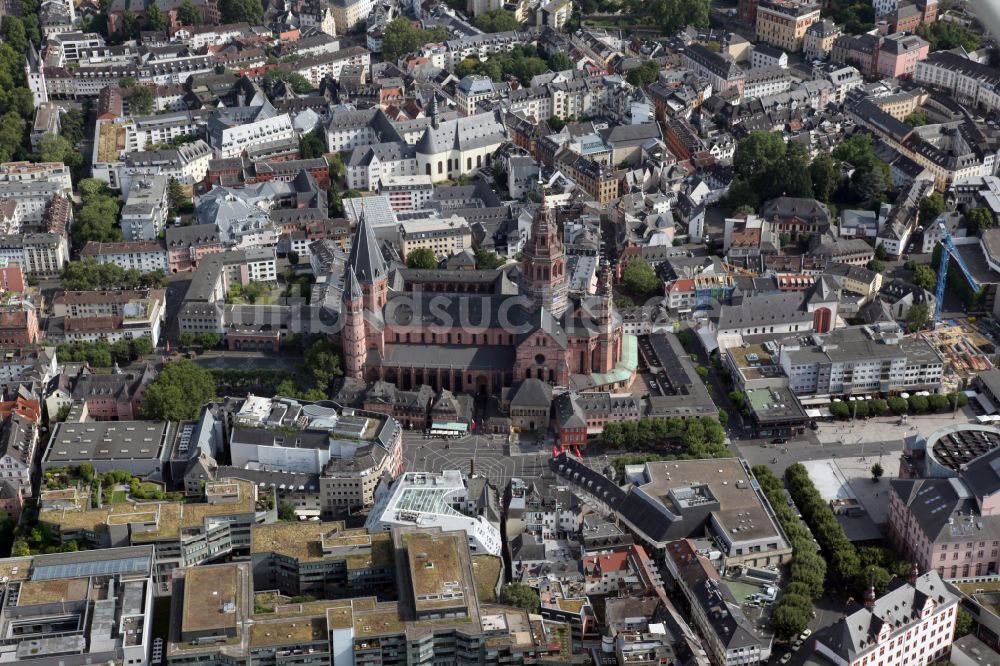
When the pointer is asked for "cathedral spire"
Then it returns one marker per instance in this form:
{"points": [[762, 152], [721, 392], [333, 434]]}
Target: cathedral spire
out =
{"points": [[365, 258]]}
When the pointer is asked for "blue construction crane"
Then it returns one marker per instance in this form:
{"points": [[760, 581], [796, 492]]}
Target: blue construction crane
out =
{"points": [[948, 250]]}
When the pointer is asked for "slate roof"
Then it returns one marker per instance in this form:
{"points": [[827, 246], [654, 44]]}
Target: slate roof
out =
{"points": [[897, 611], [467, 133], [764, 310], [365, 258]]}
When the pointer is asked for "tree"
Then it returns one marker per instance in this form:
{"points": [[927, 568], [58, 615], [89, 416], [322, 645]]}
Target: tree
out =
{"points": [[958, 399], [486, 260], [300, 84], [97, 220], [188, 14], [757, 153], [71, 126], [876, 265], [13, 33], [286, 512], [155, 18], [897, 405], [560, 62], [925, 277], [86, 472], [140, 101], [54, 148], [915, 119], [640, 278], [208, 340], [963, 623], [880, 252], [237, 11], [520, 595], [497, 20], [11, 134], [20, 548], [293, 258], [917, 317], [672, 15], [313, 144], [979, 218], [946, 35], [825, 176], [789, 620], [178, 392], [422, 257], [877, 472], [918, 404], [938, 402], [930, 207], [322, 361], [644, 74], [840, 410], [879, 406], [401, 37]]}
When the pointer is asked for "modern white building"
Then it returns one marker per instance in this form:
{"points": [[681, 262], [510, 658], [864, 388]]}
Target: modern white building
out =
{"points": [[231, 131], [443, 236], [429, 500], [144, 215], [860, 360], [406, 192]]}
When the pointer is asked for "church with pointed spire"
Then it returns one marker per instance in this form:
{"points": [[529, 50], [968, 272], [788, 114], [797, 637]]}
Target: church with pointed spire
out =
{"points": [[480, 331]]}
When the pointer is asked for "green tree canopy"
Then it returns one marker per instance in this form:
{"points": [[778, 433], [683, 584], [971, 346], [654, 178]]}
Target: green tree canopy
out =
{"points": [[640, 278], [486, 260], [422, 257], [672, 15], [930, 207], [520, 595], [925, 277], [917, 317], [155, 18], [402, 36], [300, 84], [178, 392], [560, 62], [188, 14], [979, 218], [140, 100], [644, 74], [236, 11], [915, 119], [496, 20]]}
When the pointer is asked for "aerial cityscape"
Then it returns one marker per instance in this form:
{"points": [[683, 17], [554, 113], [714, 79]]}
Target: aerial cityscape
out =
{"points": [[481, 333]]}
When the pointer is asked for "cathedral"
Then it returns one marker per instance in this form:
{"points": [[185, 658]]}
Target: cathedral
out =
{"points": [[478, 331]]}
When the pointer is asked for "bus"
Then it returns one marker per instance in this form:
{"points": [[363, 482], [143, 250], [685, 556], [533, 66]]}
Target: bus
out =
{"points": [[449, 430]]}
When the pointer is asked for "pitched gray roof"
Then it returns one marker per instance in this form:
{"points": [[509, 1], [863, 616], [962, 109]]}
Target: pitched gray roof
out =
{"points": [[365, 257]]}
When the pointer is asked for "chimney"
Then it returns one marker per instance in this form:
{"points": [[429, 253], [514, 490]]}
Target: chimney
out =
{"points": [[472, 466]]}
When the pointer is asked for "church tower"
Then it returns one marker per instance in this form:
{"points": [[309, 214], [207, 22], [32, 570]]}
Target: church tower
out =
{"points": [[34, 70], [543, 274], [369, 266], [352, 336], [608, 347]]}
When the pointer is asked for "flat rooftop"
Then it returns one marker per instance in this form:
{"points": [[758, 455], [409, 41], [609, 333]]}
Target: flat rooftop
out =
{"points": [[435, 571], [774, 404], [106, 440], [286, 632], [37, 592], [741, 511], [210, 598]]}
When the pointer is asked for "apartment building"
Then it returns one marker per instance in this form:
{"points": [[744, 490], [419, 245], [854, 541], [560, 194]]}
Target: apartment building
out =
{"points": [[406, 193], [913, 623], [730, 637], [144, 215], [819, 39], [38, 254], [783, 23], [443, 236], [188, 164], [860, 360], [18, 322], [967, 81], [233, 130], [720, 69], [144, 256], [315, 68], [367, 165], [108, 315]]}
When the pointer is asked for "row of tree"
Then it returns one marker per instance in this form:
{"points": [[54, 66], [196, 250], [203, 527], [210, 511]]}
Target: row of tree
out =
{"points": [[523, 62], [702, 437], [915, 404], [794, 608], [104, 354], [88, 275], [854, 570]]}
